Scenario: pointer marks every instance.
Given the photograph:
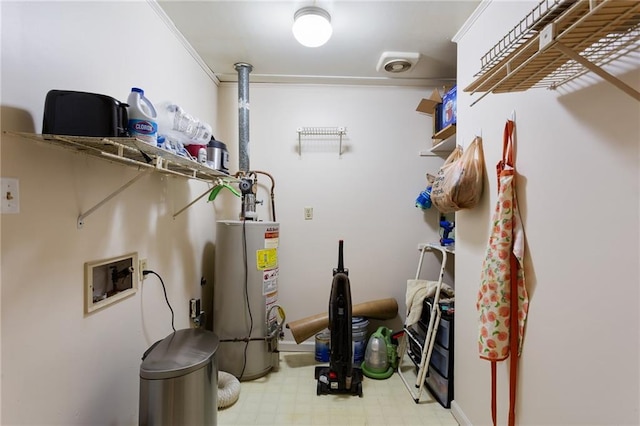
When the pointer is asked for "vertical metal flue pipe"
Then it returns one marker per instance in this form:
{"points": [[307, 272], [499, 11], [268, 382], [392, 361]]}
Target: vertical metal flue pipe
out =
{"points": [[243, 70]]}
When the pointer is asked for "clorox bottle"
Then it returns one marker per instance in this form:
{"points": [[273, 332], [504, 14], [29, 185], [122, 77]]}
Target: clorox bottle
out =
{"points": [[142, 117]]}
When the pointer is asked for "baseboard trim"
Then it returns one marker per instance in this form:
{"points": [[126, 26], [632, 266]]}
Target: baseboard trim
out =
{"points": [[292, 346], [459, 415]]}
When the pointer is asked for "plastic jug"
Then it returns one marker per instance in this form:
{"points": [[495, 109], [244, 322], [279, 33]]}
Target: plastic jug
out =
{"points": [[175, 123], [142, 117]]}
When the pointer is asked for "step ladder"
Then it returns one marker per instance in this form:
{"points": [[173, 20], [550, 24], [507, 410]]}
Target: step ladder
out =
{"points": [[415, 389]]}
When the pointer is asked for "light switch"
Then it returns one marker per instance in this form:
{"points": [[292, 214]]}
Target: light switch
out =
{"points": [[10, 195]]}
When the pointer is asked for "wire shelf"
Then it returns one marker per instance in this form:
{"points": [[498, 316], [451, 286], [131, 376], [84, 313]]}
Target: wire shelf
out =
{"points": [[528, 27], [323, 132], [588, 35], [132, 152], [602, 52]]}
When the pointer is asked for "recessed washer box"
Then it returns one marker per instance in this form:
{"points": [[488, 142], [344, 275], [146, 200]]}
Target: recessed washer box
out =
{"points": [[109, 280]]}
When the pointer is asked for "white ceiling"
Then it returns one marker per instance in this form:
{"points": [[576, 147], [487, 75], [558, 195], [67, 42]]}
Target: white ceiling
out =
{"points": [[258, 32]]}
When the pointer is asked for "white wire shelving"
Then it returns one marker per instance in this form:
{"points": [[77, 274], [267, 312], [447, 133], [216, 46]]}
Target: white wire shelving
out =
{"points": [[323, 133], [134, 153], [558, 41]]}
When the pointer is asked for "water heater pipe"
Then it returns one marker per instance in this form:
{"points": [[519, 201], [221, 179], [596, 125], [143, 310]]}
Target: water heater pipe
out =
{"points": [[243, 70]]}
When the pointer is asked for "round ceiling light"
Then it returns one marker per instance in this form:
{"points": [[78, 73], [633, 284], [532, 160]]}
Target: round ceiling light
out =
{"points": [[397, 65], [312, 26]]}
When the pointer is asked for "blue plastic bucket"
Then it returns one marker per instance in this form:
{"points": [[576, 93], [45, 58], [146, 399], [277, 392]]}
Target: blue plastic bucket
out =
{"points": [[323, 346], [359, 339]]}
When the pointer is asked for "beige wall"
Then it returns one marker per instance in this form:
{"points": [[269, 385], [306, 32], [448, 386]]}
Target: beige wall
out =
{"points": [[60, 366], [578, 186], [580, 362], [366, 197]]}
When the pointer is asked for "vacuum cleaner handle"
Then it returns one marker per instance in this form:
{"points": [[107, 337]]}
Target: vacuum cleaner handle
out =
{"points": [[340, 269]]}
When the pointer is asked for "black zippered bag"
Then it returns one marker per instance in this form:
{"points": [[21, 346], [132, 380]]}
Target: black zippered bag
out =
{"points": [[84, 114]]}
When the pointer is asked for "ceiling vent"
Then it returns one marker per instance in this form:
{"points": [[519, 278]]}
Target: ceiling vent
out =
{"points": [[397, 62]]}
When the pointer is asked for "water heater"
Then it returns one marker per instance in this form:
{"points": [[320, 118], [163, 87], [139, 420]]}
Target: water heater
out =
{"points": [[245, 297]]}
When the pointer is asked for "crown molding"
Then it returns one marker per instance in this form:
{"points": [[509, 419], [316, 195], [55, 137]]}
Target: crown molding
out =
{"points": [[471, 20]]}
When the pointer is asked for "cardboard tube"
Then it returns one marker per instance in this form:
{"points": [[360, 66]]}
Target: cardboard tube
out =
{"points": [[381, 309]]}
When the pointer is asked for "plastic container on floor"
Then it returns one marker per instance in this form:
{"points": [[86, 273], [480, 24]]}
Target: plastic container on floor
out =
{"points": [[323, 346], [359, 338]]}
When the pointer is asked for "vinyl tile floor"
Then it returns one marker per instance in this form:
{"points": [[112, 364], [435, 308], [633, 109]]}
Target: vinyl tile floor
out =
{"points": [[287, 396]]}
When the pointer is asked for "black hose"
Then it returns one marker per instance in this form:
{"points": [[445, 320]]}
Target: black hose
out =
{"points": [[246, 293]]}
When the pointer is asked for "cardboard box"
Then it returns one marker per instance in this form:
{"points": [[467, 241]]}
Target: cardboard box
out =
{"points": [[448, 113], [432, 106]]}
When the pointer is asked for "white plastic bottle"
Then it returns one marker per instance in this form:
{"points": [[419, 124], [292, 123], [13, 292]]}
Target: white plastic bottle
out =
{"points": [[173, 122], [142, 117], [176, 123]]}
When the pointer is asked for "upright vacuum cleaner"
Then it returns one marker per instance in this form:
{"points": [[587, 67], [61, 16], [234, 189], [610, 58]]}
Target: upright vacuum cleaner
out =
{"points": [[340, 377]]}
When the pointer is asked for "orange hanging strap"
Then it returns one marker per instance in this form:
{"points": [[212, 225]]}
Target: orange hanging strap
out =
{"points": [[494, 404], [507, 143], [513, 278], [513, 340]]}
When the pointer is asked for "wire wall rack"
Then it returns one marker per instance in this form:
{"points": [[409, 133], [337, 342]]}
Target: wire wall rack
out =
{"points": [[528, 27], [328, 133], [569, 40], [132, 152]]}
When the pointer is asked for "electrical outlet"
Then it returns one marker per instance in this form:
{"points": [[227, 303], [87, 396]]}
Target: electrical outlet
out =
{"points": [[194, 308], [308, 213], [142, 266]]}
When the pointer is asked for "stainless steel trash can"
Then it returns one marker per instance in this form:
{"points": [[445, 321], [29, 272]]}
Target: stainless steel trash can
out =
{"points": [[179, 380]]}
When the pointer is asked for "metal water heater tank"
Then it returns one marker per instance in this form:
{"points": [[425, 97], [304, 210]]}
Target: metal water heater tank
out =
{"points": [[245, 290]]}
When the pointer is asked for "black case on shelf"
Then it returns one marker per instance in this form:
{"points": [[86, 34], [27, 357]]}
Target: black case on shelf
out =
{"points": [[84, 114]]}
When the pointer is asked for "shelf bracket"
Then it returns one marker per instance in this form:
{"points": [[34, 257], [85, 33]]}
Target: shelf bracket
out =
{"points": [[86, 214], [597, 70], [192, 203]]}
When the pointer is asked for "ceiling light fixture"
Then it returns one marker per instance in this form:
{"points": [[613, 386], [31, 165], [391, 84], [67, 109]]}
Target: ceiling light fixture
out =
{"points": [[312, 26]]}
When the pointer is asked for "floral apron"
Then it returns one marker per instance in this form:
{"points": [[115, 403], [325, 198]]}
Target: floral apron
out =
{"points": [[503, 275]]}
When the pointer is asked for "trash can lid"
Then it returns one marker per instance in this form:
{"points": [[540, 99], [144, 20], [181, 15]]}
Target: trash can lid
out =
{"points": [[179, 353]]}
